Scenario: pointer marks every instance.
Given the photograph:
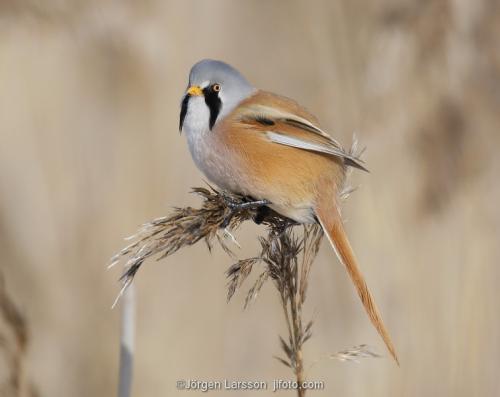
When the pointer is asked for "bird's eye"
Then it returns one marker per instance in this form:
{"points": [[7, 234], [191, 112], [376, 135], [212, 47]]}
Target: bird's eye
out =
{"points": [[216, 87]]}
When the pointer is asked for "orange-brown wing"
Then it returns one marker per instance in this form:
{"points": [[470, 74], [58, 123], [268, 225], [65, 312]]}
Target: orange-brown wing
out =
{"points": [[285, 122]]}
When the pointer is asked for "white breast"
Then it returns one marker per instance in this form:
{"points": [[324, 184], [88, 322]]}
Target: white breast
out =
{"points": [[195, 128], [209, 154]]}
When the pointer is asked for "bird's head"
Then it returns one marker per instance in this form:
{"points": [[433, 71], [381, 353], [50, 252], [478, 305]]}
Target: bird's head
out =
{"points": [[214, 90]]}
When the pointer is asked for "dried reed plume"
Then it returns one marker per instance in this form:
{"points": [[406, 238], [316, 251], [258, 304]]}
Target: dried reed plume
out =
{"points": [[286, 254], [288, 260], [185, 227]]}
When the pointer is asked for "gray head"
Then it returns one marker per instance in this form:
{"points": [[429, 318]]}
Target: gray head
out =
{"points": [[220, 85]]}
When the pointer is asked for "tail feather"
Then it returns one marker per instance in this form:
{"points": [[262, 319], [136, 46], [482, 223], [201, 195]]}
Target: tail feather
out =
{"points": [[331, 223]]}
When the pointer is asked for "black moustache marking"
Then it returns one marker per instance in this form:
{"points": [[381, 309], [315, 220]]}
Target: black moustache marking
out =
{"points": [[184, 109], [214, 104]]}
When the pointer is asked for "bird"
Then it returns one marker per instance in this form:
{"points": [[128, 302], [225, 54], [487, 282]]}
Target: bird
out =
{"points": [[266, 146]]}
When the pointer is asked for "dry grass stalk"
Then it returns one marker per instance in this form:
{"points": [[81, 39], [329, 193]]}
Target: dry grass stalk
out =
{"points": [[184, 227], [13, 347], [355, 354], [287, 257], [288, 260]]}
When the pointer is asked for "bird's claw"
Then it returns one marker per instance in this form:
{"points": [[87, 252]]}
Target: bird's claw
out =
{"points": [[236, 207]]}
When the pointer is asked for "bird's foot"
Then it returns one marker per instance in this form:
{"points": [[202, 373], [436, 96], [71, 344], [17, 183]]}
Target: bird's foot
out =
{"points": [[235, 207]]}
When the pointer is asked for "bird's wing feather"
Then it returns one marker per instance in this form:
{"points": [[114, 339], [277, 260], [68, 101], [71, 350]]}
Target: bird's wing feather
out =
{"points": [[288, 128], [287, 117], [301, 143], [289, 140]]}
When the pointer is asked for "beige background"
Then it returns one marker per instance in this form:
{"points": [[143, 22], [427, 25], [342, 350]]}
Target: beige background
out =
{"points": [[89, 149]]}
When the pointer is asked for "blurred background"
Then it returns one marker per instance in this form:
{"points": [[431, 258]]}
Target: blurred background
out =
{"points": [[90, 149]]}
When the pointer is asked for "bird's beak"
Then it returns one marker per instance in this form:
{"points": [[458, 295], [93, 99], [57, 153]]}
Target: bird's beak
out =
{"points": [[195, 90]]}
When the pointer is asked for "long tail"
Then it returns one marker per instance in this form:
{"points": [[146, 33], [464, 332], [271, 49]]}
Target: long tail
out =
{"points": [[331, 222]]}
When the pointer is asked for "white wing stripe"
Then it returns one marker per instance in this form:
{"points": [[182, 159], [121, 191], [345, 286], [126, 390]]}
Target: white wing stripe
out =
{"points": [[301, 144], [315, 147]]}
